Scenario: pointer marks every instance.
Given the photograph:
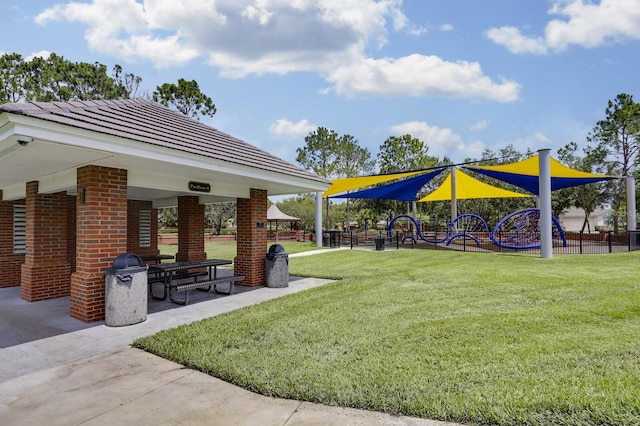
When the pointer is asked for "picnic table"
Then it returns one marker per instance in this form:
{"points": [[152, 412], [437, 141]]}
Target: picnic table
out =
{"points": [[157, 258], [175, 276]]}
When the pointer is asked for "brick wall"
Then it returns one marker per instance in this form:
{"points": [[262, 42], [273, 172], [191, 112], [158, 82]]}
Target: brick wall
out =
{"points": [[252, 238], [133, 228], [45, 273], [71, 232], [101, 236], [10, 262], [190, 229]]}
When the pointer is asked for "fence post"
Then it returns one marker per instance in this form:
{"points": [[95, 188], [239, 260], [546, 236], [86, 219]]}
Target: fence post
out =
{"points": [[351, 238], [609, 234], [397, 240], [581, 232]]}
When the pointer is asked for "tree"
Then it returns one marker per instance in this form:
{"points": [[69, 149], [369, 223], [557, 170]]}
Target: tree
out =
{"points": [[352, 160], [319, 155], [216, 215], [302, 207], [12, 78], [128, 81], [591, 196], [402, 153], [168, 217], [619, 135], [399, 154], [186, 98], [57, 79]]}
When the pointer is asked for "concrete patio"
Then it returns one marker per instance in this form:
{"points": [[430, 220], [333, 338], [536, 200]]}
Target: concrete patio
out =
{"points": [[66, 372]]}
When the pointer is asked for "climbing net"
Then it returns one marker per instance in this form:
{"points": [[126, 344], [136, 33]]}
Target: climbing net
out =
{"points": [[519, 230]]}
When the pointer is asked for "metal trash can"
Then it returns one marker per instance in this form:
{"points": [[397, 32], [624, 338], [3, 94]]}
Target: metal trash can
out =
{"points": [[277, 264], [126, 291], [379, 243]]}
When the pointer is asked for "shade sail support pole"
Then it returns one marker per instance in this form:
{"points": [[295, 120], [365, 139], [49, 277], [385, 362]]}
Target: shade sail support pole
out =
{"points": [[631, 203], [454, 201], [544, 193], [319, 219]]}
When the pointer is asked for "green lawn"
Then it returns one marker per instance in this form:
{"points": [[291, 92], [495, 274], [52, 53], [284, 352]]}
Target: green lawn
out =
{"points": [[466, 337], [227, 249]]}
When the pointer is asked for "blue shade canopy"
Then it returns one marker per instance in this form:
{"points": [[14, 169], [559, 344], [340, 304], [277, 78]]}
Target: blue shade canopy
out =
{"points": [[404, 190], [524, 174]]}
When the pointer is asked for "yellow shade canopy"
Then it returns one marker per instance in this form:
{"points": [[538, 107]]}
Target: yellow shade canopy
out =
{"points": [[468, 188], [531, 167], [525, 174]]}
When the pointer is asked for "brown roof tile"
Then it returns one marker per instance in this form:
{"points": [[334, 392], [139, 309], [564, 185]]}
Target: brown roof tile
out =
{"points": [[154, 124]]}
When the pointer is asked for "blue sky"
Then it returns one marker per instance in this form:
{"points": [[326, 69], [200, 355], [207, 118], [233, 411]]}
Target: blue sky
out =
{"points": [[461, 75]]}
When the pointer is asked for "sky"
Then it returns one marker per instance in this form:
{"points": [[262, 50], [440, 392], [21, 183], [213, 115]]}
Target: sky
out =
{"points": [[461, 75]]}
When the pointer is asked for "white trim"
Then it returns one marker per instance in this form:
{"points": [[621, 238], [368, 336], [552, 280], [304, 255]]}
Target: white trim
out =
{"points": [[46, 131], [13, 192]]}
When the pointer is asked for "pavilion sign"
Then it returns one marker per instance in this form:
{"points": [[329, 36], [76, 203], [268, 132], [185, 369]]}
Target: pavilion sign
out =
{"points": [[199, 186]]}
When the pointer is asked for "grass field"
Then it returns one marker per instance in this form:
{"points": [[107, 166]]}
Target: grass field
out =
{"points": [[465, 337], [227, 249]]}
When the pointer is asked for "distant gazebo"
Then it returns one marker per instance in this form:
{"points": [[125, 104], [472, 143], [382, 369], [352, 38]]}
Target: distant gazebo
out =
{"points": [[275, 215]]}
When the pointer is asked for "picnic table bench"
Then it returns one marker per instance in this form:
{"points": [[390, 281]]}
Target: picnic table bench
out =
{"points": [[204, 273]]}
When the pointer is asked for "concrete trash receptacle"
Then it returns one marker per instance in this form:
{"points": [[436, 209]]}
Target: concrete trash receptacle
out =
{"points": [[277, 267], [126, 291]]}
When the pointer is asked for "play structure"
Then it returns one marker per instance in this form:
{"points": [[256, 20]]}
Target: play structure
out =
{"points": [[518, 231], [538, 175]]}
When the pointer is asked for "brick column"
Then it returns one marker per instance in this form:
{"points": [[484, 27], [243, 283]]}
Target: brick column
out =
{"points": [[46, 272], [10, 262], [252, 238], [190, 229], [133, 228], [101, 236], [71, 232]]}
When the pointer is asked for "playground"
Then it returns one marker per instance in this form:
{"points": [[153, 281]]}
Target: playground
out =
{"points": [[530, 230]]}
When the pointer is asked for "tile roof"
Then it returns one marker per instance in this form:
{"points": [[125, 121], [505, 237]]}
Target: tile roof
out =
{"points": [[154, 124]]}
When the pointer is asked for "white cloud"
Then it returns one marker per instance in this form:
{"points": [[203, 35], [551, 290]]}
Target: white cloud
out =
{"points": [[418, 75], [541, 137], [586, 24], [44, 54], [286, 128], [515, 42], [441, 141], [446, 27], [436, 138], [244, 37], [482, 124]]}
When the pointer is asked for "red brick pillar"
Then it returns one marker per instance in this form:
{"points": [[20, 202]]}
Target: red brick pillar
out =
{"points": [[252, 238], [190, 229], [10, 262], [101, 236], [134, 207], [71, 232], [46, 271]]}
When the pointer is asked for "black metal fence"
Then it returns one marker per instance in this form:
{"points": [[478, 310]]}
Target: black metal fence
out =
{"points": [[576, 242]]}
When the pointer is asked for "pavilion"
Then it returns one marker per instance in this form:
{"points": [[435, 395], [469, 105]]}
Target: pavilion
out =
{"points": [[81, 183], [275, 215]]}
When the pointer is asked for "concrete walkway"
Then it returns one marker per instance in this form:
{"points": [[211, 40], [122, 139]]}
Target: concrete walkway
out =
{"points": [[94, 377]]}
